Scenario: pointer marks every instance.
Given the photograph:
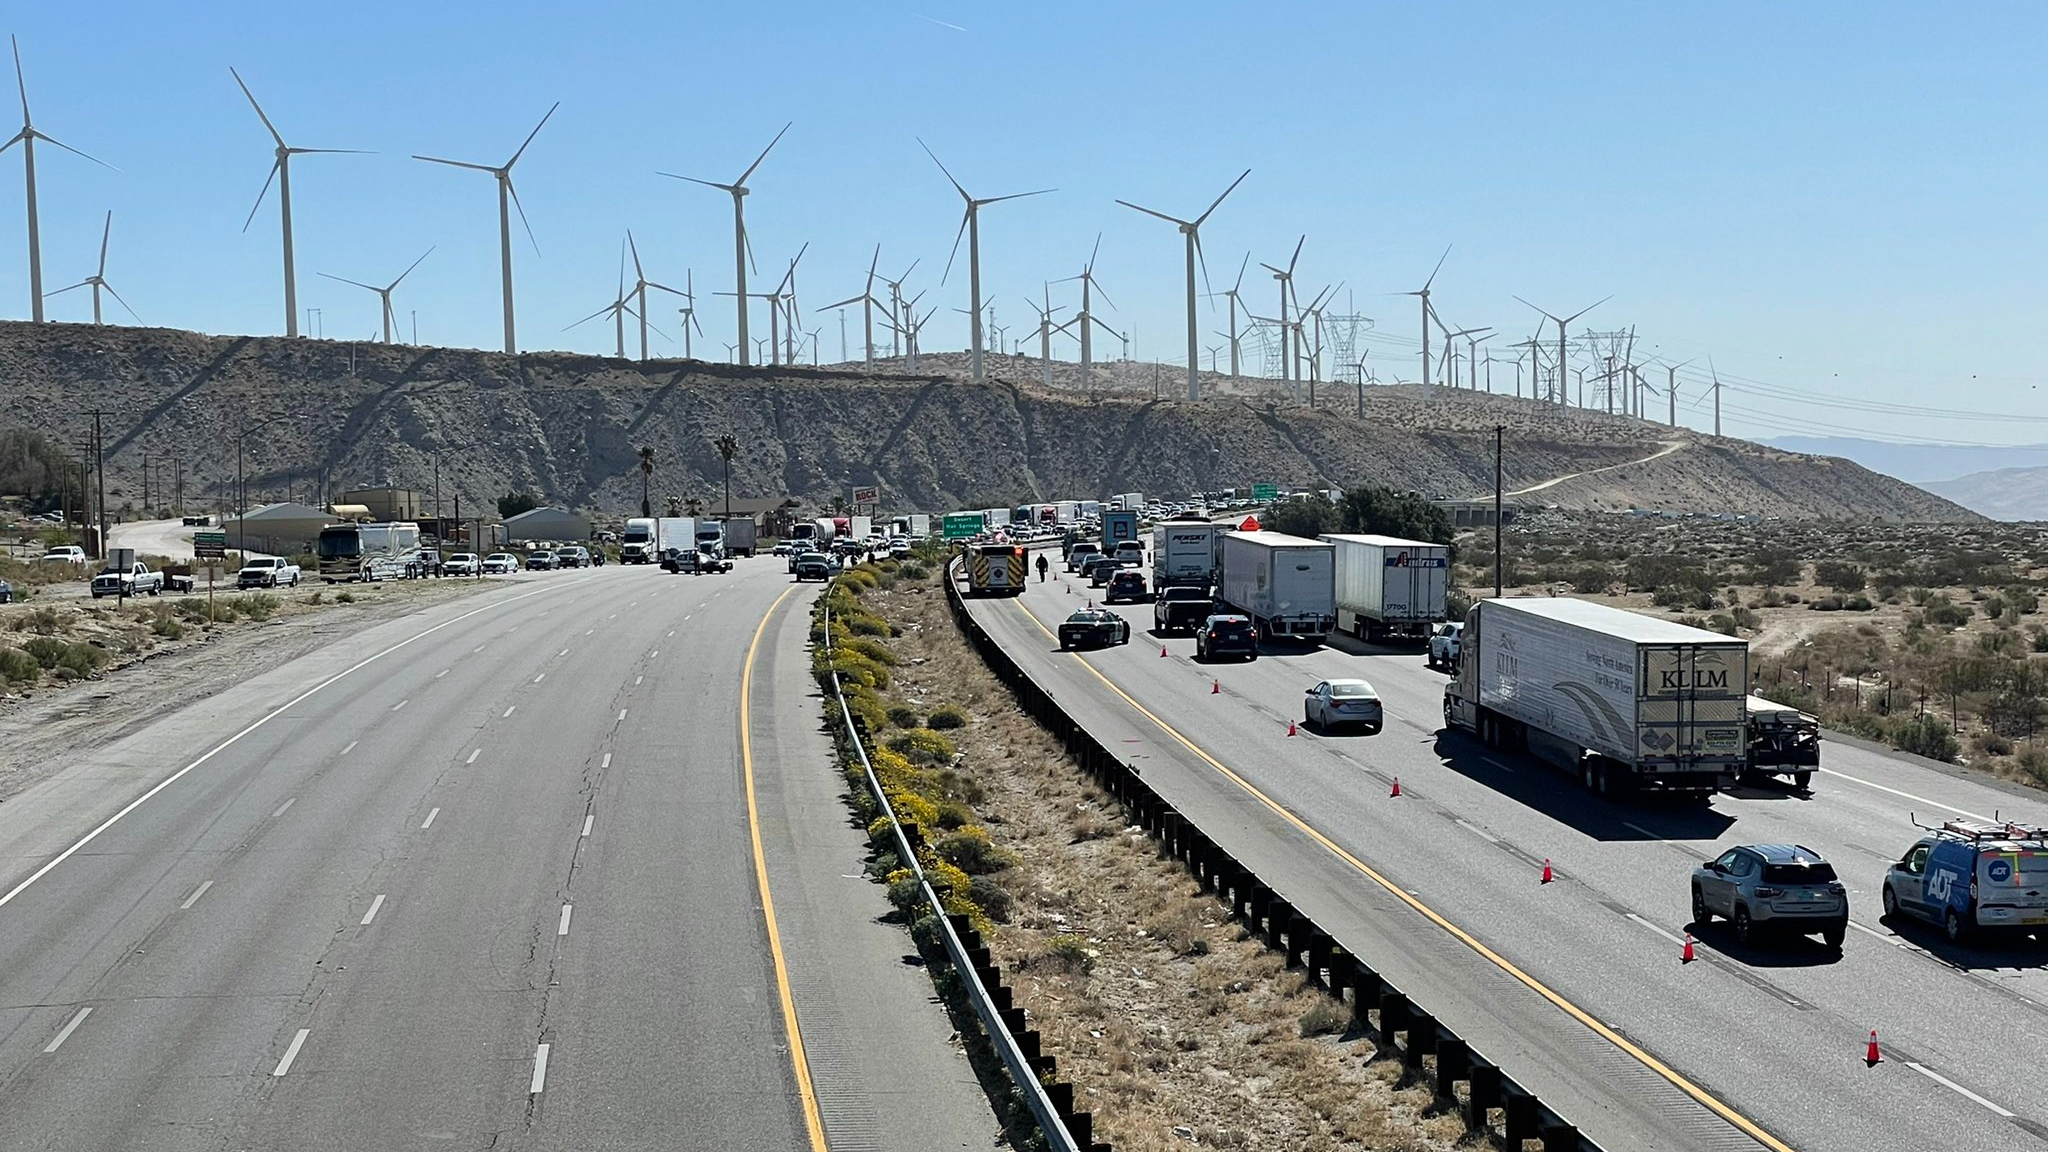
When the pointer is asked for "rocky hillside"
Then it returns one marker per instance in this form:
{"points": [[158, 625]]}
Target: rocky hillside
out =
{"points": [[568, 428]]}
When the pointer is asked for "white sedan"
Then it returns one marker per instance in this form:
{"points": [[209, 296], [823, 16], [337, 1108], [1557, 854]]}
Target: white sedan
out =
{"points": [[1337, 702], [500, 564]]}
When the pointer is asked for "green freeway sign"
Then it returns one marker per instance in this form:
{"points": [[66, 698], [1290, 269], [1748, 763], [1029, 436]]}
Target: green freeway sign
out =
{"points": [[209, 545], [1265, 493], [960, 527]]}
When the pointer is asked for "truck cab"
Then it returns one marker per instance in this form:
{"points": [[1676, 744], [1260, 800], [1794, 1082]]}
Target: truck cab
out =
{"points": [[1783, 741]]}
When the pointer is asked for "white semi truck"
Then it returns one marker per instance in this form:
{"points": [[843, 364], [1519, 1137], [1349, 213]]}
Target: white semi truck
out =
{"points": [[1184, 553], [1625, 702], [1387, 586], [1286, 584]]}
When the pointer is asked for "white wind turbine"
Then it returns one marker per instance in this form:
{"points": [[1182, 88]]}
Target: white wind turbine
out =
{"points": [[1192, 229], [27, 138], [897, 323], [1045, 330], [1286, 279], [1562, 396], [384, 293], [1231, 294], [640, 286], [868, 304], [1427, 312], [689, 311], [98, 280], [508, 199], [741, 253], [970, 223], [618, 309], [1085, 319], [281, 171]]}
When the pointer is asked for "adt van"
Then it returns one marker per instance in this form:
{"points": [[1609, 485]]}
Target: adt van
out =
{"points": [[1971, 875]]}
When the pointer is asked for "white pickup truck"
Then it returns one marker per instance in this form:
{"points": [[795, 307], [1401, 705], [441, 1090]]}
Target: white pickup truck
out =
{"points": [[134, 580], [267, 572]]}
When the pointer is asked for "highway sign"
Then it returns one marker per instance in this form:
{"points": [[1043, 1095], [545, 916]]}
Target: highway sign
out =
{"points": [[1265, 493], [963, 525], [209, 545]]}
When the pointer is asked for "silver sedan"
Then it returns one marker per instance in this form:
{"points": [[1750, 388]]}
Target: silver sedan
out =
{"points": [[1337, 702]]}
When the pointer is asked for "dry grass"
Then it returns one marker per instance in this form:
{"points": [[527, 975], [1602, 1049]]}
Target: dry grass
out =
{"points": [[1181, 1030]]}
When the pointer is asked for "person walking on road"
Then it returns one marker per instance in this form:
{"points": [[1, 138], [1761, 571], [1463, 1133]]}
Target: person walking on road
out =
{"points": [[1042, 566]]}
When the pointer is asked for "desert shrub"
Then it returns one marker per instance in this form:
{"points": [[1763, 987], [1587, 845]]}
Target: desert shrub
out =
{"points": [[914, 572], [1591, 579], [1826, 604], [1839, 575], [1858, 603], [903, 717], [344, 597], [993, 898], [1721, 622], [1682, 596], [970, 850], [45, 651], [947, 716], [18, 667], [1992, 744], [1941, 612], [2033, 764], [867, 625], [858, 669], [874, 650], [904, 890], [66, 659], [1927, 736], [1325, 1016], [257, 605], [167, 627], [923, 746], [1659, 570], [954, 814], [1072, 951]]}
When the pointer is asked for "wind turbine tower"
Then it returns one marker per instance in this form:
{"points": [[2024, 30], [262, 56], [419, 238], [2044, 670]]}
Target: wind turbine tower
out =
{"points": [[1424, 293], [740, 252], [27, 138], [867, 303], [640, 286], [508, 199], [281, 171], [1086, 318], [1192, 229], [1286, 279], [1562, 396], [970, 223], [384, 293], [98, 280]]}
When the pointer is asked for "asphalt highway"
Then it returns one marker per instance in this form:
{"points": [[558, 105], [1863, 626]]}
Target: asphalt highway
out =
{"points": [[489, 876], [1577, 986]]}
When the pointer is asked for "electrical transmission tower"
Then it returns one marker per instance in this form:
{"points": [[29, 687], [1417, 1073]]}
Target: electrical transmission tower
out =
{"points": [[1342, 334]]}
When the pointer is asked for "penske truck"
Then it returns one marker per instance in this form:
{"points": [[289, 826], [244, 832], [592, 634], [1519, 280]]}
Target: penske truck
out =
{"points": [[1627, 703], [1184, 553]]}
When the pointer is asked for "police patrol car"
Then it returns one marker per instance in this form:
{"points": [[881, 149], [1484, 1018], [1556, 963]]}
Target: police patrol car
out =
{"points": [[1974, 874]]}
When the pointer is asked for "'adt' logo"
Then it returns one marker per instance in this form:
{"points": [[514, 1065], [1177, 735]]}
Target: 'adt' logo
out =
{"points": [[1999, 871]]}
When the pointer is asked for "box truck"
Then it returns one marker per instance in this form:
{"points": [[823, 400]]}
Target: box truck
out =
{"points": [[1128, 501], [1387, 586], [1627, 703], [1118, 527], [1184, 553], [1286, 584], [740, 534]]}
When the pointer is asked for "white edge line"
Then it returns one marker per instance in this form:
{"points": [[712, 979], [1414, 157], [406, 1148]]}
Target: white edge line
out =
{"points": [[374, 905], [587, 822], [196, 894], [282, 808], [429, 821], [474, 753], [1654, 838], [266, 718], [1884, 936], [540, 1070], [349, 747], [1945, 1082], [622, 713], [637, 680], [509, 711], [1476, 830], [562, 929], [1907, 795], [1654, 928], [291, 1053], [401, 704], [539, 678], [606, 762], [77, 1018]]}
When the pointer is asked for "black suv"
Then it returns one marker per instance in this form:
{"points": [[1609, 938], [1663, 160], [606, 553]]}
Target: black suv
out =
{"points": [[1180, 609], [1125, 584], [1226, 636]]}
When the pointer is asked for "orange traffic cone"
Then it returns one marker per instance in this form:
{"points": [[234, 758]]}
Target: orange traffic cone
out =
{"points": [[1397, 787], [1215, 686], [1290, 727], [1870, 1058], [1546, 870], [1687, 957], [1162, 651]]}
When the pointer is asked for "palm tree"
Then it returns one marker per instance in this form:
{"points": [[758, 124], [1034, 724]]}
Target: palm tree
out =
{"points": [[727, 446], [695, 506], [646, 474]]}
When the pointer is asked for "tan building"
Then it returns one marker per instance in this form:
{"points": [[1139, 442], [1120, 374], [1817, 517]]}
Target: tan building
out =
{"points": [[385, 504]]}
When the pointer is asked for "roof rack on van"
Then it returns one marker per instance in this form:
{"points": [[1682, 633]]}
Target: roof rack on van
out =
{"points": [[1977, 830]]}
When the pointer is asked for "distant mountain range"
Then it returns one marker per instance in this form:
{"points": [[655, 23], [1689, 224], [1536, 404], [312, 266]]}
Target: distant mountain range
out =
{"points": [[2002, 494], [1917, 463]]}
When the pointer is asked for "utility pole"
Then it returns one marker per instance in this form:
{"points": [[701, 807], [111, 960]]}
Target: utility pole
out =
{"points": [[145, 484], [1498, 430], [99, 458]]}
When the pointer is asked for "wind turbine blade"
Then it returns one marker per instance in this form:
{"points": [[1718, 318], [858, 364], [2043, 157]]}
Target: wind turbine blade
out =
{"points": [[1089, 267], [1539, 327], [622, 272], [261, 195], [20, 80], [1588, 308], [49, 139], [741, 182], [604, 311], [529, 140], [409, 268], [117, 296], [455, 163], [61, 291], [842, 303], [662, 287], [1296, 257], [871, 270], [693, 320], [1202, 260], [507, 176], [231, 71], [1241, 266], [908, 271], [17, 138], [1440, 267], [106, 234], [1018, 195], [694, 180], [1287, 276], [1219, 199], [949, 177], [357, 283], [1100, 292], [1175, 220], [638, 274], [748, 239], [956, 240], [334, 151]]}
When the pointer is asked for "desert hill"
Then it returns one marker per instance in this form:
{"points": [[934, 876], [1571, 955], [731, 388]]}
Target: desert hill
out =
{"points": [[568, 426]]}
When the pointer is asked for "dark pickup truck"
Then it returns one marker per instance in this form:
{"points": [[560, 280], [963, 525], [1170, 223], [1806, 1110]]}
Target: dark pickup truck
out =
{"points": [[1180, 609]]}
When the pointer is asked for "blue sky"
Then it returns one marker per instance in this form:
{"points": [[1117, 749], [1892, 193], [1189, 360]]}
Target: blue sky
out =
{"points": [[1839, 202]]}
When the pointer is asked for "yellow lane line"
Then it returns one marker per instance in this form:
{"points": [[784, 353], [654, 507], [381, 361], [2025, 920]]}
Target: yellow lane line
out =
{"points": [[813, 1122], [1713, 1103]]}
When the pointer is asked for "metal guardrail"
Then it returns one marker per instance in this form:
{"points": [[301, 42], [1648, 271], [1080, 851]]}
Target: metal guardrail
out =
{"points": [[1407, 1028], [1050, 1102]]}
